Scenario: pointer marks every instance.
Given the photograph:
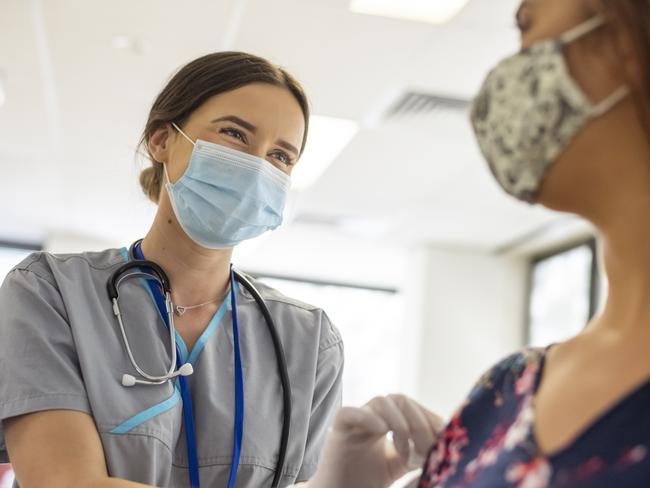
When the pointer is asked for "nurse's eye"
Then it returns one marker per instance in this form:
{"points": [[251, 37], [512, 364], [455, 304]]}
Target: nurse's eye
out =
{"points": [[234, 133], [282, 157]]}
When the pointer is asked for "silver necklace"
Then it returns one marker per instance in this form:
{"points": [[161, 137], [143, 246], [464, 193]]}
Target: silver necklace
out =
{"points": [[181, 309]]}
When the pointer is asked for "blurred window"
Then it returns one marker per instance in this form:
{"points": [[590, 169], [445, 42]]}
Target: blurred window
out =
{"points": [[371, 323], [564, 294]]}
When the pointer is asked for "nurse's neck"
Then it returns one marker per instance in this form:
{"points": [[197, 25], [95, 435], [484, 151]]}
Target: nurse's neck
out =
{"points": [[196, 274]]}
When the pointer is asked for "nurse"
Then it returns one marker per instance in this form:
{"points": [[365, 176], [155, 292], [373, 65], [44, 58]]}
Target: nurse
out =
{"points": [[223, 136]]}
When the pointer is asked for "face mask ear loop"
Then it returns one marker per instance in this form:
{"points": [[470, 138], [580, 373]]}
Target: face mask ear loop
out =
{"points": [[169, 182], [582, 30], [610, 102], [183, 134], [186, 137]]}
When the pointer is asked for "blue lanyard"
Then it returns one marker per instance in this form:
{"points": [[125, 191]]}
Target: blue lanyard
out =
{"points": [[186, 397]]}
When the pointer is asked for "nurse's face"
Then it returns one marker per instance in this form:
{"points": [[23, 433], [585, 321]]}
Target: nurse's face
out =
{"points": [[594, 62], [259, 119]]}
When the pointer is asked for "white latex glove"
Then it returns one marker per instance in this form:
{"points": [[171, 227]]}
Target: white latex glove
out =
{"points": [[360, 454]]}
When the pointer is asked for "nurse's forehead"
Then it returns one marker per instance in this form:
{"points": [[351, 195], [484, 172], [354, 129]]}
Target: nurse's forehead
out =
{"points": [[260, 105], [258, 98]]}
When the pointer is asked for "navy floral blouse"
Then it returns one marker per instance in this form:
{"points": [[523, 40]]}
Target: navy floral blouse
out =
{"points": [[490, 442]]}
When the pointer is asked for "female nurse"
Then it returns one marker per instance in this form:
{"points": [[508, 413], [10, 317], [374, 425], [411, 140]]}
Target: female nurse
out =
{"points": [[96, 392]]}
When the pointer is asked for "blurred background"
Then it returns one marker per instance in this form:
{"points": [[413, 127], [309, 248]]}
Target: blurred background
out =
{"points": [[395, 226]]}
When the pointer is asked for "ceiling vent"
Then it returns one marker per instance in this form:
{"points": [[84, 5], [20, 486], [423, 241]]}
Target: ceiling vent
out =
{"points": [[419, 104]]}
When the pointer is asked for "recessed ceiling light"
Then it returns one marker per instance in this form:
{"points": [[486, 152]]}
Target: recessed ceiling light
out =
{"points": [[327, 137], [432, 11], [131, 43], [122, 42]]}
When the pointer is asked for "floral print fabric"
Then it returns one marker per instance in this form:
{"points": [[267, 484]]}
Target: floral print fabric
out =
{"points": [[490, 442]]}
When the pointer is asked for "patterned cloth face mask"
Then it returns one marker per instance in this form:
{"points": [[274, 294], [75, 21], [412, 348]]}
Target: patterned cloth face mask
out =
{"points": [[530, 108]]}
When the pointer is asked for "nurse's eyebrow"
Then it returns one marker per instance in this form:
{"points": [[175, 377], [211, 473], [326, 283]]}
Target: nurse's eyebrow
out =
{"points": [[251, 128], [288, 146], [232, 118]]}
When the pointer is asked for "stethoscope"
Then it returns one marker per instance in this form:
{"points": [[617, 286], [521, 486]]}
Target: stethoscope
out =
{"points": [[159, 285]]}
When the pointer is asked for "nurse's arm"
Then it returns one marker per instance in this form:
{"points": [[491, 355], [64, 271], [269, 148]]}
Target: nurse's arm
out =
{"points": [[58, 449]]}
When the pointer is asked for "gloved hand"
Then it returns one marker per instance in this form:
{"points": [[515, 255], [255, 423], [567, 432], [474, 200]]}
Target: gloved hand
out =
{"points": [[359, 453]]}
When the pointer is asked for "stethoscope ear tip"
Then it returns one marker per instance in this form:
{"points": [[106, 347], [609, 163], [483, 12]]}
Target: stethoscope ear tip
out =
{"points": [[186, 369], [128, 380]]}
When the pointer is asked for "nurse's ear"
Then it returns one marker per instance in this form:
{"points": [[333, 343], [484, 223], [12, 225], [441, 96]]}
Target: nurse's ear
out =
{"points": [[159, 143]]}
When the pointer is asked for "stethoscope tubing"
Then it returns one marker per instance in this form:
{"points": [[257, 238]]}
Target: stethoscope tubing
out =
{"points": [[282, 369], [122, 273]]}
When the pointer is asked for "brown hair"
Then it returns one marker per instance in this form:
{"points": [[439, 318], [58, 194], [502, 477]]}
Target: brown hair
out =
{"points": [[633, 18], [201, 79]]}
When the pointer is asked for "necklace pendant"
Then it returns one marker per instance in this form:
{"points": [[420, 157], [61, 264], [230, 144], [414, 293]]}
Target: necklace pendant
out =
{"points": [[180, 310]]}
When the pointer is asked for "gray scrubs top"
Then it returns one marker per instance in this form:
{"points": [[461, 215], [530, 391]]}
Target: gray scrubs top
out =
{"points": [[61, 348]]}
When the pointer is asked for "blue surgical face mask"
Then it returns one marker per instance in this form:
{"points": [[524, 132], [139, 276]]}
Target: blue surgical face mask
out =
{"points": [[226, 196]]}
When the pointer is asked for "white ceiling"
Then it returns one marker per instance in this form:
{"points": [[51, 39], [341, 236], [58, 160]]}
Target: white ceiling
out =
{"points": [[76, 105]]}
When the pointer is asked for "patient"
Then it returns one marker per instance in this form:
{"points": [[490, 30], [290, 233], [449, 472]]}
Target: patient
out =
{"points": [[564, 123]]}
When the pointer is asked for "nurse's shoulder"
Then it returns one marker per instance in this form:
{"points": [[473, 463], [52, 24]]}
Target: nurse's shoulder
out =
{"points": [[50, 267], [293, 316]]}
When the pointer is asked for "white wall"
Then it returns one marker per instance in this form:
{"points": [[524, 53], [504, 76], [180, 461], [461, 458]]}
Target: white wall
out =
{"points": [[65, 243], [473, 315]]}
